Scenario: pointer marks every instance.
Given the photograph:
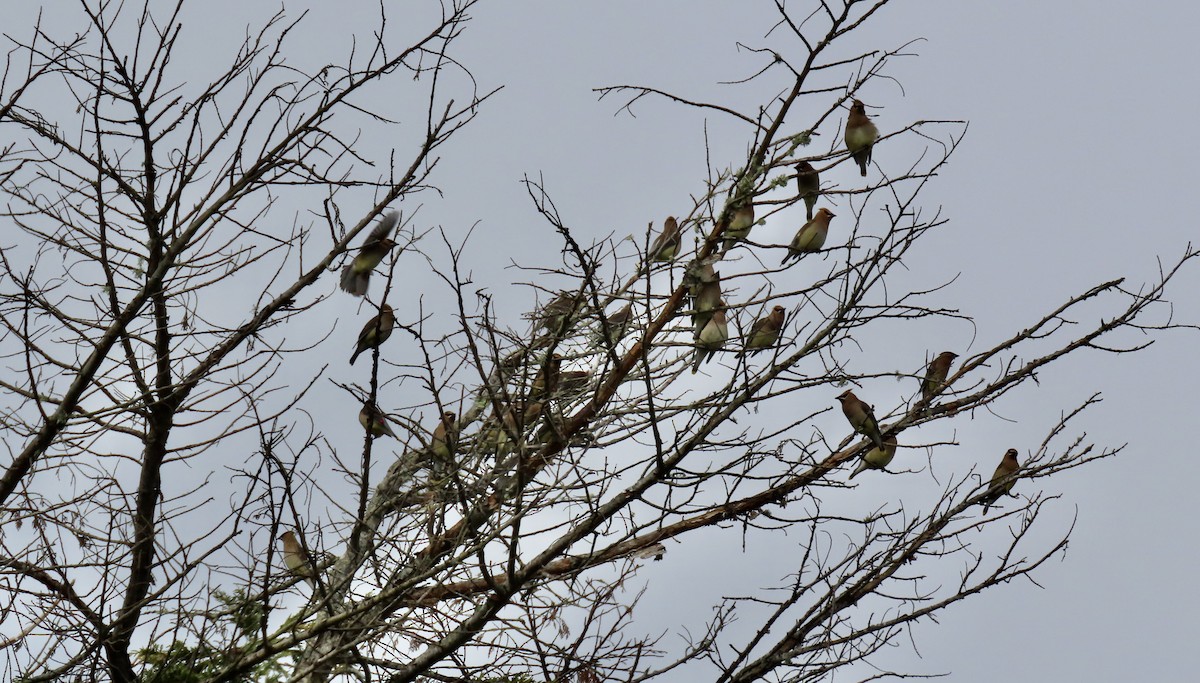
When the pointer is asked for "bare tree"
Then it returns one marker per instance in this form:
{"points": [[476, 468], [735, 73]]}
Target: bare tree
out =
{"points": [[511, 479]]}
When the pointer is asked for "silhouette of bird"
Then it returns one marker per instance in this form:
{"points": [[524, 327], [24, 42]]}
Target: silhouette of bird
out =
{"points": [[808, 183], [1003, 479]]}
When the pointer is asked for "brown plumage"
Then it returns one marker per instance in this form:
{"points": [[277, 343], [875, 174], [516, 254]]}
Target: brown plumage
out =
{"points": [[614, 325], [666, 247], [294, 557], [375, 332], [375, 421], [545, 383], [704, 287], [861, 135], [357, 274], [561, 313], [861, 417], [740, 221], [877, 458], [711, 338], [935, 376], [571, 382], [765, 331], [810, 237], [444, 442], [808, 183], [1003, 479]]}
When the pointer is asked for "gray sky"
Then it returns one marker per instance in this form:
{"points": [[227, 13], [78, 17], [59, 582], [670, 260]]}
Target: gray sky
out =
{"points": [[1076, 169]]}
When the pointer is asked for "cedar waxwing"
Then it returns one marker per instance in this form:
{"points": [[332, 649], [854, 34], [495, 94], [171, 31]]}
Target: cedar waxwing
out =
{"points": [[808, 182], [561, 314], [496, 437], [375, 421], [615, 324], [375, 332], [445, 437], [861, 135], [357, 274], [877, 458], [935, 376], [765, 331], [666, 247], [861, 417], [704, 286], [711, 338], [1003, 479], [571, 382], [294, 557], [545, 383], [810, 237], [738, 228]]}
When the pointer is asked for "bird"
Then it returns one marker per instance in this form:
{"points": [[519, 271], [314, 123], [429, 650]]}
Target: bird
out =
{"points": [[935, 376], [765, 331], [861, 135], [808, 182], [739, 225], [545, 383], [513, 420], [294, 557], [704, 287], [560, 314], [711, 338], [613, 326], [357, 274], [571, 382], [375, 332], [666, 246], [375, 421], [877, 458], [444, 442], [861, 417], [810, 237], [1003, 479]]}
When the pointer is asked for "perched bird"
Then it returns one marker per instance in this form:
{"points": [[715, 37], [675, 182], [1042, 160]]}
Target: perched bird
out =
{"points": [[375, 332], [357, 275], [704, 287], [808, 182], [738, 228], [861, 417], [561, 313], [545, 383], [613, 326], [375, 421], [571, 382], [935, 376], [711, 338], [444, 442], [514, 420], [861, 135], [666, 246], [294, 557], [1003, 479], [764, 332], [810, 237], [877, 458]]}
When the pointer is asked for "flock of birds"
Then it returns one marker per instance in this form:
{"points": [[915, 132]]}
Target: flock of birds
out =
{"points": [[710, 331]]}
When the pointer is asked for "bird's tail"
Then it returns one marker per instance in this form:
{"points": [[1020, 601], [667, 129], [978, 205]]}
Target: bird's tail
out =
{"points": [[355, 283]]}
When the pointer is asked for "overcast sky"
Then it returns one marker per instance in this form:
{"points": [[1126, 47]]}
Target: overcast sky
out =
{"points": [[1078, 167]]}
